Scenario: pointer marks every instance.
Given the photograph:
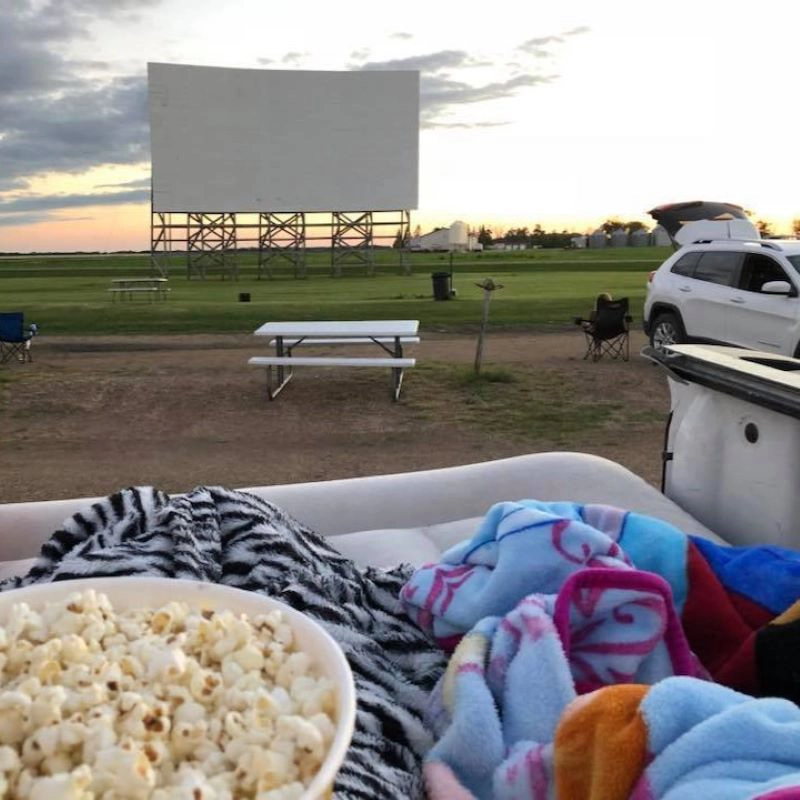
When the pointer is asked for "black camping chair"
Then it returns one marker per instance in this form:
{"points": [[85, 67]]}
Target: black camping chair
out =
{"points": [[607, 332], [15, 338]]}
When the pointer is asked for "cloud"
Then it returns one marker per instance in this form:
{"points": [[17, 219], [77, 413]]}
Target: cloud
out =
{"points": [[438, 94], [19, 220], [63, 114], [41, 202], [24, 219], [139, 183], [441, 93], [58, 113], [429, 62], [75, 130], [535, 46], [93, 66], [13, 184], [294, 58]]}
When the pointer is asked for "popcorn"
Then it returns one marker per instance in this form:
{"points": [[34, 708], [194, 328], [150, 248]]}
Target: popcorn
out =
{"points": [[64, 786], [292, 791], [165, 704]]}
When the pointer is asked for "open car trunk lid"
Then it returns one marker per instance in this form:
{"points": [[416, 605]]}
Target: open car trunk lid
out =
{"points": [[699, 219]]}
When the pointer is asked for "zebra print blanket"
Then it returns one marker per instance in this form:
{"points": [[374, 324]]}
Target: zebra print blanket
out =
{"points": [[229, 537]]}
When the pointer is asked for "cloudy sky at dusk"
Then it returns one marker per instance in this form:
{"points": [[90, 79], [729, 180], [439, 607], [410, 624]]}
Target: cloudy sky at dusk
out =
{"points": [[560, 113]]}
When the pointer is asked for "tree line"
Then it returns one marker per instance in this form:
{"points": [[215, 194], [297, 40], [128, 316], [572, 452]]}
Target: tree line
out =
{"points": [[538, 237]]}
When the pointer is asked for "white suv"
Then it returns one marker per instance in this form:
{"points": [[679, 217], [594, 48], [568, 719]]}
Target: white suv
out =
{"points": [[744, 293]]}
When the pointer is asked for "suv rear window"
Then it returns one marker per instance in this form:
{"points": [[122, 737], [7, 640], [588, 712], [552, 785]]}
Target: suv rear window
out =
{"points": [[718, 266], [685, 264]]}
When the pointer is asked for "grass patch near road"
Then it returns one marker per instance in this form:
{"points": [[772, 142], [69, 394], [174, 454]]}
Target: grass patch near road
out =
{"points": [[538, 405]]}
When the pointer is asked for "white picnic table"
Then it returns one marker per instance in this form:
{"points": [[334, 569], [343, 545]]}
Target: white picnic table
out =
{"points": [[127, 287], [389, 335]]}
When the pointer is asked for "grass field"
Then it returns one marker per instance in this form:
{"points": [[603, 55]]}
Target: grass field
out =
{"points": [[68, 294]]}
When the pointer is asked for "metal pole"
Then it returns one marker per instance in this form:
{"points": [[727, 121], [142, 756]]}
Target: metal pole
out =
{"points": [[488, 287], [487, 297]]}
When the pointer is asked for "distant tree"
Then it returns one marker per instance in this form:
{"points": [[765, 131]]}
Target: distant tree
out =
{"points": [[518, 236], [635, 225], [611, 224], [485, 237], [764, 228], [401, 239], [796, 228]]}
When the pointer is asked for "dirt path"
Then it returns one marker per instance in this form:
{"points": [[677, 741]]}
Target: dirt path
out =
{"points": [[93, 415]]}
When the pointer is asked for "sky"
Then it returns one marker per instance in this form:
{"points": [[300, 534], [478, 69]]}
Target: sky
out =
{"points": [[562, 114]]}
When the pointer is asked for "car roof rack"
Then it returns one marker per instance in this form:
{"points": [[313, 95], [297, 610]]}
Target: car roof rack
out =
{"points": [[769, 244]]}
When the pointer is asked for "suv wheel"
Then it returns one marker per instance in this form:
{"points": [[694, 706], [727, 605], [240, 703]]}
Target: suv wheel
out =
{"points": [[666, 330]]}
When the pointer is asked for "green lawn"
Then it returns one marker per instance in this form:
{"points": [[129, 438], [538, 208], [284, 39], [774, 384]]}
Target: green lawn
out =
{"points": [[68, 294]]}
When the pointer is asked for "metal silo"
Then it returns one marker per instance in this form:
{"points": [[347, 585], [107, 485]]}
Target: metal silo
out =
{"points": [[597, 239], [618, 238], [459, 233]]}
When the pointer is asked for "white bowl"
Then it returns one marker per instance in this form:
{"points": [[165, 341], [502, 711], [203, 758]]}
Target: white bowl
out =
{"points": [[134, 592]]}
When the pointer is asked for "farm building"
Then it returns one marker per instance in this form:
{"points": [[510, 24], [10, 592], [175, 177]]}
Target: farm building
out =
{"points": [[640, 238], [455, 238]]}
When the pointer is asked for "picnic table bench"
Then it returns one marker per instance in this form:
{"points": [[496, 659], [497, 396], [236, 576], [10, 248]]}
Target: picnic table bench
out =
{"points": [[128, 288], [389, 335]]}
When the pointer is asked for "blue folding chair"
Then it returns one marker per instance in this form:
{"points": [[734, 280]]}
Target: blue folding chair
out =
{"points": [[15, 338]]}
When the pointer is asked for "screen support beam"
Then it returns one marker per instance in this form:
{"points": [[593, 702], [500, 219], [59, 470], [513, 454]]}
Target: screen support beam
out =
{"points": [[218, 242]]}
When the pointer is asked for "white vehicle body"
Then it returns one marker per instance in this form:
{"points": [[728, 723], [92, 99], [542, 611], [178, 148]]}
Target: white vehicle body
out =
{"points": [[742, 293], [733, 441]]}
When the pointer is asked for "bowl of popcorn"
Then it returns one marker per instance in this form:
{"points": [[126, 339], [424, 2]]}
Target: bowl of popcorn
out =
{"points": [[167, 689]]}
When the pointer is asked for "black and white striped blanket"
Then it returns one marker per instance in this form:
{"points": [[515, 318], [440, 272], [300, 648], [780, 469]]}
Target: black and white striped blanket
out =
{"points": [[229, 537]]}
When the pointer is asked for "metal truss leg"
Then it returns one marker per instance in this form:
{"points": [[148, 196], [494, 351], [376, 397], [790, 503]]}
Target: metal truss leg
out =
{"points": [[397, 382], [272, 393], [397, 372], [284, 374]]}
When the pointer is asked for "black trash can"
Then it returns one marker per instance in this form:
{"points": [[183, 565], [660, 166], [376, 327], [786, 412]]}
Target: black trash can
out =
{"points": [[442, 285], [244, 297]]}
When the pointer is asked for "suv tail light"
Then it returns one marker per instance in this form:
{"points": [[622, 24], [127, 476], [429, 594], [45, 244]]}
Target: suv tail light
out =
{"points": [[651, 276]]}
